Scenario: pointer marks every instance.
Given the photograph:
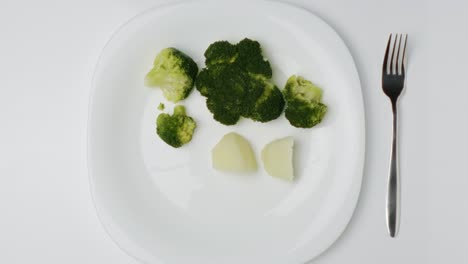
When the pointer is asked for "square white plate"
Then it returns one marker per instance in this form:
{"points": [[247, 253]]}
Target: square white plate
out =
{"points": [[165, 205]]}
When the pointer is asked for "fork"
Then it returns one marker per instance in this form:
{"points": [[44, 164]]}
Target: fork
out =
{"points": [[393, 82]]}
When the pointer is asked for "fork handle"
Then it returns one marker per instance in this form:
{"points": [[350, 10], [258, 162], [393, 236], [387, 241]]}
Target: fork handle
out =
{"points": [[393, 191]]}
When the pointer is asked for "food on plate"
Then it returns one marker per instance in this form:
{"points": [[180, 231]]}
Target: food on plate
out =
{"points": [[174, 72], [277, 157], [233, 153], [161, 107], [237, 83], [303, 102], [176, 129]]}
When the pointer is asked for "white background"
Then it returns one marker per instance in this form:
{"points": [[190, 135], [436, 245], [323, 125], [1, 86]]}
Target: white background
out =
{"points": [[48, 50]]}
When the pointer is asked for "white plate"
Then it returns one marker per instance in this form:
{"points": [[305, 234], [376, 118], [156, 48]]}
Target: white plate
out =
{"points": [[165, 205]]}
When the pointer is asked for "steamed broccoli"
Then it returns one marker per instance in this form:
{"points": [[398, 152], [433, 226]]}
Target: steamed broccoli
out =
{"points": [[176, 129], [174, 72], [161, 107], [303, 102], [237, 83], [269, 105]]}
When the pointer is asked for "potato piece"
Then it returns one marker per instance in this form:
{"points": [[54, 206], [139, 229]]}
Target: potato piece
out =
{"points": [[277, 157], [233, 153]]}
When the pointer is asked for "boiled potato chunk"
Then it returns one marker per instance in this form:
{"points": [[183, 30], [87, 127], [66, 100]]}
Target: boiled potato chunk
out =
{"points": [[277, 157], [233, 153]]}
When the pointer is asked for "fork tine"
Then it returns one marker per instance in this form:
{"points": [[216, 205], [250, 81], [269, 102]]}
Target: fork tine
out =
{"points": [[404, 56], [392, 62], [385, 62], [397, 62]]}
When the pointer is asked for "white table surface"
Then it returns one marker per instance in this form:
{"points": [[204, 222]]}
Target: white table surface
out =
{"points": [[48, 50]]}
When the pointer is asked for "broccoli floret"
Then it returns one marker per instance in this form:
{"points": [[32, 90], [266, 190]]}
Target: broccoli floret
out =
{"points": [[270, 104], [220, 52], [204, 80], [305, 115], [301, 89], [303, 99], [174, 72], [161, 107], [237, 83], [223, 114], [176, 129], [251, 58]]}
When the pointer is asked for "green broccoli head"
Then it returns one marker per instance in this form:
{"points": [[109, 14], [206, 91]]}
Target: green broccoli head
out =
{"points": [[225, 114], [269, 105], [220, 52], [236, 82], [305, 115], [303, 98], [174, 72], [176, 129], [251, 58], [298, 88]]}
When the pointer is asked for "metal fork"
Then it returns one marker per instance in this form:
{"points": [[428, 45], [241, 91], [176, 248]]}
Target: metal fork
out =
{"points": [[393, 82]]}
